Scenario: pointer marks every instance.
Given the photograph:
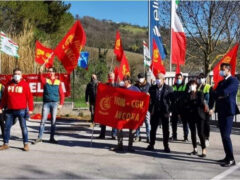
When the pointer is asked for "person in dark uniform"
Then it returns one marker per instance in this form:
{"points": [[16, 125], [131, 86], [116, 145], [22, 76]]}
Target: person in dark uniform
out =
{"points": [[226, 107], [160, 101], [194, 106], [111, 82], [144, 86], [178, 91], [90, 94]]}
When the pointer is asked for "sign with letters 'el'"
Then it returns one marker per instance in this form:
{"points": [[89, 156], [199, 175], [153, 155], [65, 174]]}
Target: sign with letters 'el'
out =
{"points": [[120, 108], [36, 86]]}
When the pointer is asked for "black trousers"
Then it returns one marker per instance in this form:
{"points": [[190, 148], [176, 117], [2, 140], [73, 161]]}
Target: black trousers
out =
{"points": [[103, 131], [207, 126], [197, 123], [174, 121], [157, 118]]}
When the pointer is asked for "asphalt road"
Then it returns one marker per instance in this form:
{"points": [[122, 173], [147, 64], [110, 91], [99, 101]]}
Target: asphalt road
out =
{"points": [[76, 157]]}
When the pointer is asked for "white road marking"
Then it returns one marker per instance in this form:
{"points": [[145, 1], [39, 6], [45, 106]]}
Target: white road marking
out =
{"points": [[227, 172]]}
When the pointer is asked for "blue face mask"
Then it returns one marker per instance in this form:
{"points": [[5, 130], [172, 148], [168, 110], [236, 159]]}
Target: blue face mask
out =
{"points": [[222, 73], [179, 81]]}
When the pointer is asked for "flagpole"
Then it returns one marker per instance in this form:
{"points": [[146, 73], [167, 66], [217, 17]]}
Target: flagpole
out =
{"points": [[170, 64]]}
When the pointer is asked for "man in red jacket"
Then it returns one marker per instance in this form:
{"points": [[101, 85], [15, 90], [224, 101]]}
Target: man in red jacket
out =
{"points": [[16, 99]]}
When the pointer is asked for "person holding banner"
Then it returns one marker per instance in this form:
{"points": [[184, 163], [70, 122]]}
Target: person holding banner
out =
{"points": [[111, 82], [160, 102], [17, 97], [52, 94], [144, 86], [129, 86], [90, 94]]}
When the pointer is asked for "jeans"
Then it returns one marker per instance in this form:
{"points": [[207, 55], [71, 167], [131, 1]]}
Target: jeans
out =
{"points": [[148, 126], [52, 108], [10, 116]]}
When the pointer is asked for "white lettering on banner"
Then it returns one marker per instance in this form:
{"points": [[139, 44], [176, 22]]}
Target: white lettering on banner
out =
{"points": [[39, 88], [155, 11], [35, 87]]}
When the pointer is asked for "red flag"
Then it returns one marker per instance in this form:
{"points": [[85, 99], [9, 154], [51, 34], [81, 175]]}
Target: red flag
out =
{"points": [[120, 108], [124, 68], [69, 48], [230, 58], [43, 55], [178, 70], [118, 49], [157, 65]]}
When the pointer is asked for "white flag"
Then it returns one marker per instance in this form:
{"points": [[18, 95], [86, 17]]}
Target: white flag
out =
{"points": [[8, 46], [146, 55]]}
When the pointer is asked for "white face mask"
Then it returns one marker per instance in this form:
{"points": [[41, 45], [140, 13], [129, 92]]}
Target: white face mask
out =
{"points": [[122, 84], [17, 77], [202, 80], [141, 80], [193, 87]]}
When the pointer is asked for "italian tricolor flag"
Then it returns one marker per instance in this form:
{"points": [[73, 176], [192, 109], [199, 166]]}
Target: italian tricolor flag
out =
{"points": [[178, 44]]}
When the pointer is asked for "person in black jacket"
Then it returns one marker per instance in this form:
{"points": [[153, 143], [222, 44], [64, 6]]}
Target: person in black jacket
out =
{"points": [[144, 86], [90, 94], [195, 107], [160, 102]]}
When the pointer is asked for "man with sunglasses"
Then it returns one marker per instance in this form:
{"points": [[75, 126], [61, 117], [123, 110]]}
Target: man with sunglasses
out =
{"points": [[52, 94]]}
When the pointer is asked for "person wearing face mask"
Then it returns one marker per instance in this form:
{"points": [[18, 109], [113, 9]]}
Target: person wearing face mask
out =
{"points": [[194, 105], [127, 85], [224, 97], [111, 82], [206, 89], [90, 94], [178, 91], [53, 99], [16, 99], [160, 102], [144, 86]]}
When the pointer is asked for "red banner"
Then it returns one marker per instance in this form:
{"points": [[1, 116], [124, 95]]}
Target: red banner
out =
{"points": [[43, 55], [230, 58], [120, 108], [69, 48], [36, 85]]}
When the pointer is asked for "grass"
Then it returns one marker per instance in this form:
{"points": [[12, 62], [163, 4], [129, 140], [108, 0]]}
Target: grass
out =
{"points": [[133, 29]]}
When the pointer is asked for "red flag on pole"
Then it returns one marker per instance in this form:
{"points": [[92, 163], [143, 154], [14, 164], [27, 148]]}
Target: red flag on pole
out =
{"points": [[43, 55], [118, 49], [230, 58], [69, 48], [124, 68], [157, 65]]}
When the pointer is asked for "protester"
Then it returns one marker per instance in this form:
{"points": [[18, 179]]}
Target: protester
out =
{"points": [[226, 107], [195, 107], [143, 86], [160, 102], [111, 82], [2, 119], [206, 89], [16, 99], [90, 94], [178, 91], [52, 94], [129, 86]]}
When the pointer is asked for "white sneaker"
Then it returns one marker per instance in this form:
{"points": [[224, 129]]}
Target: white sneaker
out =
{"points": [[207, 143]]}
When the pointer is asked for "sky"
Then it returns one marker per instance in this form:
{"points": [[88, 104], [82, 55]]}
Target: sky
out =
{"points": [[133, 12]]}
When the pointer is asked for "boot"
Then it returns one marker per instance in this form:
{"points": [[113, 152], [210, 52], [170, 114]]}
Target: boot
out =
{"points": [[4, 147], [26, 147]]}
